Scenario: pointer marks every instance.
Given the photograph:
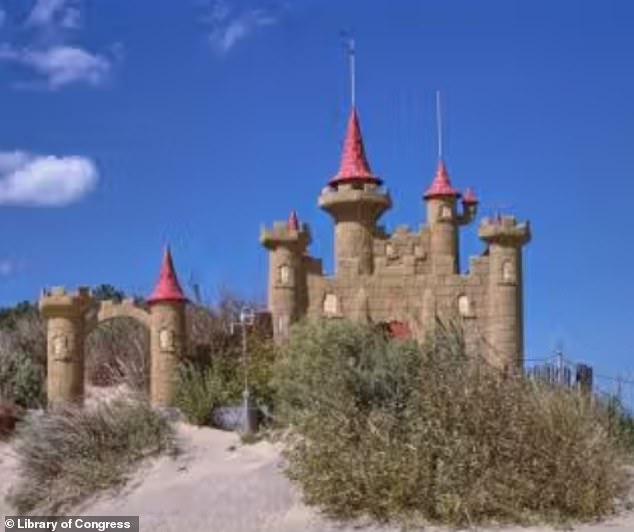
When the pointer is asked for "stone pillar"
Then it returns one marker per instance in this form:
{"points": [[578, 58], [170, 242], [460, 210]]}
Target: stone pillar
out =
{"points": [[168, 343], [65, 325]]}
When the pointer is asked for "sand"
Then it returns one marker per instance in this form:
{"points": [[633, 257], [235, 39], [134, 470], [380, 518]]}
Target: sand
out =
{"points": [[219, 485]]}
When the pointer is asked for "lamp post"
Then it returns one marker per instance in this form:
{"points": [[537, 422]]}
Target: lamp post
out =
{"points": [[247, 318]]}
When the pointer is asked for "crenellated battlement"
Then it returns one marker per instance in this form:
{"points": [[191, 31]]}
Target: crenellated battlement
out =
{"points": [[504, 229], [58, 301], [281, 234]]}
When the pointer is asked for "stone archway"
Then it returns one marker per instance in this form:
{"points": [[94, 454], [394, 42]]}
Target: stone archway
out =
{"points": [[71, 316]]}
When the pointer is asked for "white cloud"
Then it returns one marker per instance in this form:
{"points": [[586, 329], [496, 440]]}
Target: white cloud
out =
{"points": [[35, 180], [228, 28], [62, 65], [51, 13]]}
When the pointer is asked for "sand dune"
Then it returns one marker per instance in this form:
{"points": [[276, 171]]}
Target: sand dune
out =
{"points": [[219, 485]]}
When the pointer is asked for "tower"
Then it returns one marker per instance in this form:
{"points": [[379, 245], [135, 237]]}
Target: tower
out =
{"points": [[65, 324], [442, 219], [504, 333], [167, 332], [355, 199], [287, 292]]}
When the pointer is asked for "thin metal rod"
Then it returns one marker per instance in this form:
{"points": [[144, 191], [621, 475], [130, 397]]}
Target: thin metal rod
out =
{"points": [[353, 72], [439, 124]]}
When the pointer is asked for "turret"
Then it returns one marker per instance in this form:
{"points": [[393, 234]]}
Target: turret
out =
{"points": [[287, 242], [505, 238], [65, 318], [167, 332], [444, 219], [355, 199]]}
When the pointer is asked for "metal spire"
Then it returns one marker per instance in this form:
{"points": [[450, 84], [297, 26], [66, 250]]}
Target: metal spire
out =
{"points": [[353, 71], [439, 124]]}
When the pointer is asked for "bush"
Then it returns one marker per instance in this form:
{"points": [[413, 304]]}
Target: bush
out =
{"points": [[218, 380], [67, 454], [201, 389], [403, 432], [22, 381]]}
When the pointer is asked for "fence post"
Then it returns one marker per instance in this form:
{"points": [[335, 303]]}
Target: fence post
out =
{"points": [[584, 378], [560, 367]]}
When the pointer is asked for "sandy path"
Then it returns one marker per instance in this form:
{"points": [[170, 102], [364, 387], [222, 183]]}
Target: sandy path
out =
{"points": [[214, 489]]}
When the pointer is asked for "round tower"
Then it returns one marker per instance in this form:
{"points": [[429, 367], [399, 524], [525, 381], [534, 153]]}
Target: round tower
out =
{"points": [[355, 199], [287, 294], [443, 221], [505, 238], [65, 324], [168, 333]]}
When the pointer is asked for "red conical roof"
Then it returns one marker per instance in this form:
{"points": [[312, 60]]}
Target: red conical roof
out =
{"points": [[168, 287], [293, 221], [354, 164], [441, 186], [469, 197]]}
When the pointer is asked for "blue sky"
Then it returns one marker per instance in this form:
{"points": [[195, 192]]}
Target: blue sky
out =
{"points": [[123, 124]]}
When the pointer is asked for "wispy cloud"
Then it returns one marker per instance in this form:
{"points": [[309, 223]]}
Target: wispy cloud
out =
{"points": [[45, 180], [50, 27], [3, 17], [229, 25], [7, 267], [64, 14], [61, 65]]}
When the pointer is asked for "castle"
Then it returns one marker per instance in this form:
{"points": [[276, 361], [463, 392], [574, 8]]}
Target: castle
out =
{"points": [[405, 280]]}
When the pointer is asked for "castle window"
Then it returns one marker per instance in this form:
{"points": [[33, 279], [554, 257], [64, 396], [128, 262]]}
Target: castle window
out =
{"points": [[167, 341], [464, 306], [446, 212], [508, 272], [284, 274], [331, 304]]}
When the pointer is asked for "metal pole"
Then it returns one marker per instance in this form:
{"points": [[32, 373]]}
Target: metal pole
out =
{"points": [[560, 367], [245, 394]]}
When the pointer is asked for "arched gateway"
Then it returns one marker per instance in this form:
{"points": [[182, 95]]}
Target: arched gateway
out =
{"points": [[71, 316]]}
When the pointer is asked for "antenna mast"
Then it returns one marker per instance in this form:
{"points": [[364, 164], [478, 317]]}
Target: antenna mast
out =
{"points": [[353, 71], [439, 124]]}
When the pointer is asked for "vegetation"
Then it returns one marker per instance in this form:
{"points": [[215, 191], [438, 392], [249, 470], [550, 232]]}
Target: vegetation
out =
{"points": [[67, 454], [210, 380], [22, 357], [405, 432]]}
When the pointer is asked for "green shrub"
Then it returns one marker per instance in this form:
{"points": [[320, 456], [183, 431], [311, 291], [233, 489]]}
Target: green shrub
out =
{"points": [[200, 389], [404, 432], [67, 454], [218, 380], [22, 381]]}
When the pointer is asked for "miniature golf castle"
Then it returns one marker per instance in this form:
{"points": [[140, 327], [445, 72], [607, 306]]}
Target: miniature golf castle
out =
{"points": [[405, 281]]}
